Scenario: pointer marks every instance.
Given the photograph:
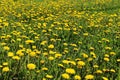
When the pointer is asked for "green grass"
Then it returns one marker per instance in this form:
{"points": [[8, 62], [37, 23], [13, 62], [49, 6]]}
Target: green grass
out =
{"points": [[55, 35]]}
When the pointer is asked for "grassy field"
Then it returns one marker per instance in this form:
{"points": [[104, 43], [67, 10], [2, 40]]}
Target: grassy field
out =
{"points": [[59, 40]]}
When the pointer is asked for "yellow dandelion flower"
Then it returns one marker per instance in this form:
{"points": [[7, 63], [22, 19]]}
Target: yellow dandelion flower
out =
{"points": [[65, 76], [38, 71], [32, 53], [77, 77], [58, 55], [99, 72], [106, 59], [16, 57], [43, 42], [51, 58], [44, 79], [108, 48], [65, 44], [65, 61], [0, 20], [95, 66], [70, 71], [105, 78], [6, 48], [20, 53], [10, 54], [51, 46], [34, 47], [85, 34], [112, 70], [87, 77], [61, 65], [81, 63], [51, 52], [1, 66], [29, 41], [91, 48], [112, 53], [5, 63], [106, 55], [72, 62], [31, 66], [49, 76], [84, 55], [5, 23], [118, 60], [44, 69], [5, 69], [42, 61]]}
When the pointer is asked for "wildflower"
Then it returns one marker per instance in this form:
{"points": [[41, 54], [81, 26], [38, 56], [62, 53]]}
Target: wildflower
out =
{"points": [[6, 48], [72, 62], [84, 55], [106, 70], [90, 59], [57, 55], [51, 52], [51, 58], [42, 61], [10, 54], [105, 78], [16, 57], [77, 77], [5, 23], [38, 71], [70, 71], [65, 76], [20, 53], [106, 59], [112, 53], [95, 66], [65, 44], [108, 48], [112, 70], [51, 46], [31, 66], [49, 76], [43, 42], [98, 72], [0, 20], [65, 61], [44, 69], [29, 41], [118, 60], [87, 77], [5, 69], [32, 53], [91, 48], [0, 27], [44, 79], [34, 47], [1, 66], [61, 65], [106, 55], [85, 34], [81, 63], [5, 63]]}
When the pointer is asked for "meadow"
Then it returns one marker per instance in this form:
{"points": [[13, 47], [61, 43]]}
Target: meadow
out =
{"points": [[59, 40]]}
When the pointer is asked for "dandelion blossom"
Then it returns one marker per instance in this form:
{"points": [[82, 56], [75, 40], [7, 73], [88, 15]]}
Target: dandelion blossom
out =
{"points": [[31, 66], [5, 69], [65, 76], [87, 77], [70, 71]]}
